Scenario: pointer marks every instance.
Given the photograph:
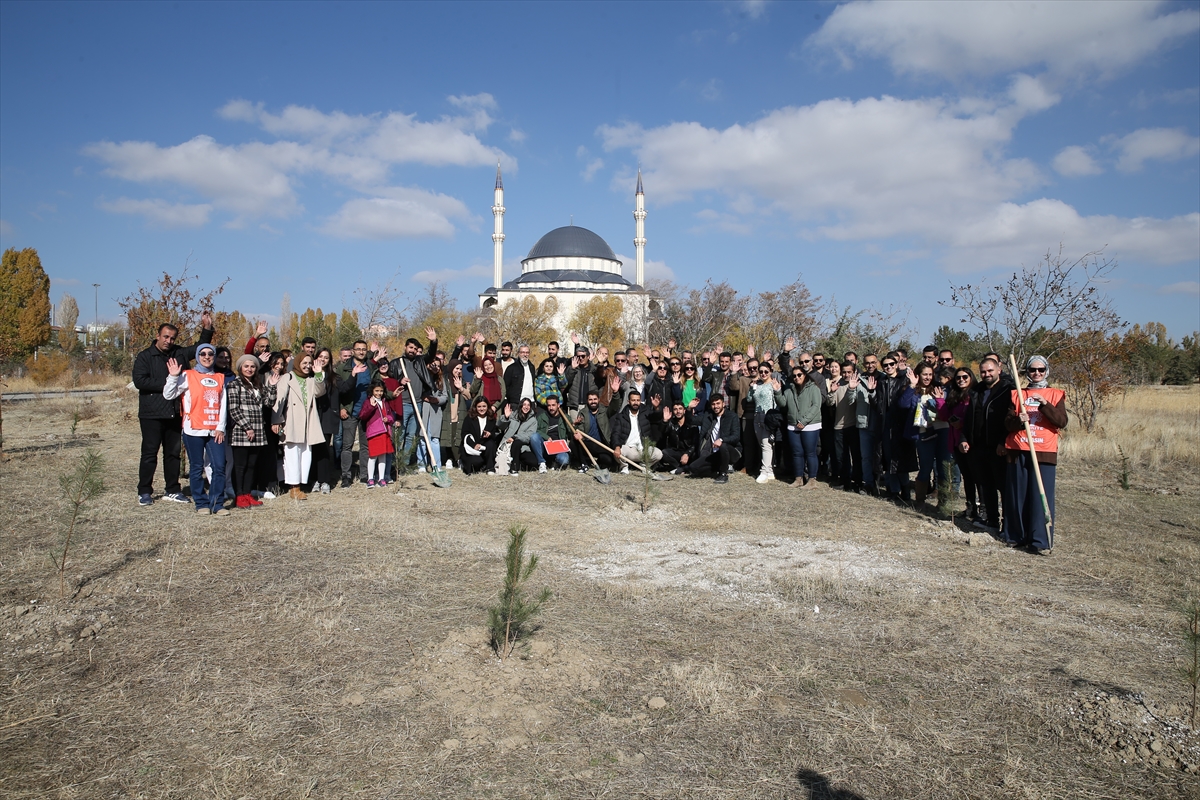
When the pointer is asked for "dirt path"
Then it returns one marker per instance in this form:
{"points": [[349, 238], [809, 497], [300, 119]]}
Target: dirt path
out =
{"points": [[754, 643]]}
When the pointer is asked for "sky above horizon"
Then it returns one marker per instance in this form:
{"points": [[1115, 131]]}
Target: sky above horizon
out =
{"points": [[881, 151]]}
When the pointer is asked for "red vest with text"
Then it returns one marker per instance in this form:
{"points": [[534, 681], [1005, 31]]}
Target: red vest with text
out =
{"points": [[205, 390], [1045, 435]]}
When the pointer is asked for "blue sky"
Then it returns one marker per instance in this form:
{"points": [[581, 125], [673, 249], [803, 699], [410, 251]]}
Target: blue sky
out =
{"points": [[880, 150]]}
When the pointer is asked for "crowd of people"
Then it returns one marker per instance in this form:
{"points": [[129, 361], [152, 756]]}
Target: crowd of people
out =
{"points": [[923, 433]]}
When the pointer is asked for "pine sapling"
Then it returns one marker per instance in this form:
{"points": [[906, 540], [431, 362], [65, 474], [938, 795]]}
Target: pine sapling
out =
{"points": [[509, 620], [1191, 652], [78, 488], [1123, 475]]}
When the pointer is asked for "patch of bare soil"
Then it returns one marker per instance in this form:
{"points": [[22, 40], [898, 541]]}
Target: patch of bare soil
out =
{"points": [[755, 642]]}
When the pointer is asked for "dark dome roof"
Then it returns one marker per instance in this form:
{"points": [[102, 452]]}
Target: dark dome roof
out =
{"points": [[571, 240], [556, 275]]}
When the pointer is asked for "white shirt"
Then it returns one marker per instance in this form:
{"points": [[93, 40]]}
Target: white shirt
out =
{"points": [[526, 381], [635, 434]]}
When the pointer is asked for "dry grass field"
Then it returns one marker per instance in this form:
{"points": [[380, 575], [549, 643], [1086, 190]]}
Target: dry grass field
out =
{"points": [[748, 643]]}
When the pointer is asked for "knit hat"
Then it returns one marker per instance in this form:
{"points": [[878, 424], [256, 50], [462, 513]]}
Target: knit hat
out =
{"points": [[246, 359]]}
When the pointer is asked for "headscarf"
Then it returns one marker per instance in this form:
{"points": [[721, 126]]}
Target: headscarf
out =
{"points": [[1042, 384], [200, 367], [491, 383]]}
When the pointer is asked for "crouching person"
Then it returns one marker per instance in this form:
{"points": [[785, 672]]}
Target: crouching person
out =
{"points": [[203, 393]]}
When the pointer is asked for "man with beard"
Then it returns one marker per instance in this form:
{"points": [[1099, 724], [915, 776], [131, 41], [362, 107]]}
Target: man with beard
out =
{"points": [[719, 440], [681, 440], [594, 420], [413, 367], [519, 378], [630, 430], [983, 436]]}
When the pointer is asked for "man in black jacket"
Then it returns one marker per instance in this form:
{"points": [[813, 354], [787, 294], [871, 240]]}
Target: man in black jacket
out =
{"points": [[594, 419], [518, 378], [720, 440], [681, 440], [412, 367], [983, 436], [630, 428], [161, 423]]}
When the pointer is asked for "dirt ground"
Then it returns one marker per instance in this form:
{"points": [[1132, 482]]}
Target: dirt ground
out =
{"points": [[753, 642]]}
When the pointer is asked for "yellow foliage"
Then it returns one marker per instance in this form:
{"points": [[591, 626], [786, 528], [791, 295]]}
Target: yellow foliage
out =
{"points": [[48, 367], [599, 321]]}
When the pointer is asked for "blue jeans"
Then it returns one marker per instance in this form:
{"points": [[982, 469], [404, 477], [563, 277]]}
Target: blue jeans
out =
{"points": [[927, 460], [536, 444], [197, 446], [412, 432], [423, 455], [804, 453], [866, 447]]}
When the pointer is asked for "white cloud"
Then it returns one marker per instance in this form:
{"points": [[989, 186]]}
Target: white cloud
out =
{"points": [[256, 179], [754, 8], [1075, 162], [451, 275], [988, 37], [404, 213], [1162, 144], [594, 166], [160, 212], [929, 172], [1183, 287], [7, 228], [516, 136]]}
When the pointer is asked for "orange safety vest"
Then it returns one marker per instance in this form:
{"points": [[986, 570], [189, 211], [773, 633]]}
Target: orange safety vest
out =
{"points": [[206, 391], [1045, 435]]}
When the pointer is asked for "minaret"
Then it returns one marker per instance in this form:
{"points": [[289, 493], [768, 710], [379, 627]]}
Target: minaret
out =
{"points": [[498, 234], [639, 241]]}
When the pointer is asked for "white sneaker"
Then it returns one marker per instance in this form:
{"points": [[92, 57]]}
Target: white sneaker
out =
{"points": [[420, 469], [764, 477], [449, 465], [268, 495], [625, 470], [542, 467]]}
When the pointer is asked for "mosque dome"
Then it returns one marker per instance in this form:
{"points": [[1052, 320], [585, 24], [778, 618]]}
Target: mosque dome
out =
{"points": [[571, 240]]}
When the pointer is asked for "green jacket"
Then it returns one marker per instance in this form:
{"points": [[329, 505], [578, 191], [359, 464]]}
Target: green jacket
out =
{"points": [[543, 426], [802, 407]]}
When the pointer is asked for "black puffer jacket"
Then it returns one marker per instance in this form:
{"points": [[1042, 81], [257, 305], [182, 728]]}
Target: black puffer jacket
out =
{"points": [[983, 428], [150, 376]]}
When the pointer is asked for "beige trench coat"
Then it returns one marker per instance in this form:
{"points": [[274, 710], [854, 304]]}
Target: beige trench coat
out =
{"points": [[301, 424]]}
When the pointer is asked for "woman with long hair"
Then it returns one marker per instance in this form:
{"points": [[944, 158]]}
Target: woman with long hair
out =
{"points": [[431, 414], [296, 412], [954, 412], [458, 407], [922, 400], [551, 381], [267, 472], [521, 428], [324, 461], [801, 403]]}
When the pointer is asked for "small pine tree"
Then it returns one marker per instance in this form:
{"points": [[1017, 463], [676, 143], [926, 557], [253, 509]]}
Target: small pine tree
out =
{"points": [[1191, 652], [82, 485], [509, 620]]}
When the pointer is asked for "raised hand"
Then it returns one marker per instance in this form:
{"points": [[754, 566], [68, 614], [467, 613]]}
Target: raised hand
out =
{"points": [[206, 321], [655, 400], [766, 356], [939, 392], [776, 385], [789, 344], [477, 337], [852, 381], [912, 378], [261, 328], [358, 368], [460, 341], [666, 415], [373, 346], [870, 383], [173, 368], [615, 383], [672, 344], [562, 368], [575, 338], [431, 334], [750, 351]]}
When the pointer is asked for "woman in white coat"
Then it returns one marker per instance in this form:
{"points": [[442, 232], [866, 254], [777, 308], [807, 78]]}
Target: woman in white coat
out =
{"points": [[299, 423]]}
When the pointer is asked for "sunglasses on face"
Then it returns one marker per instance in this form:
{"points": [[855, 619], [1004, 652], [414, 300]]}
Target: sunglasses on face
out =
{"points": [[945, 360], [806, 361], [1037, 369], [962, 377], [889, 363]]}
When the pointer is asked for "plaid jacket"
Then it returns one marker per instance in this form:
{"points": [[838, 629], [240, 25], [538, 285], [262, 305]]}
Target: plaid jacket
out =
{"points": [[246, 411]]}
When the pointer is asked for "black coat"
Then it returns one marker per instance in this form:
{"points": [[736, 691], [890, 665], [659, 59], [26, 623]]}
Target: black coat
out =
{"points": [[619, 427], [983, 427], [513, 380], [150, 376], [729, 432], [683, 438]]}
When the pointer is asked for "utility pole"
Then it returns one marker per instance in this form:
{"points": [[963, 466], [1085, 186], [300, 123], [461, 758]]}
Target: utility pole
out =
{"points": [[96, 311]]}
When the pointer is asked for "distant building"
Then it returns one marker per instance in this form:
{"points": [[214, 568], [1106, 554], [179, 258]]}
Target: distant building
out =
{"points": [[573, 265]]}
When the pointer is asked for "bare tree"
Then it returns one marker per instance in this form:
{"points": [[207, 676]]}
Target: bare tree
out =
{"points": [[788, 313], [707, 315], [381, 305], [1043, 306]]}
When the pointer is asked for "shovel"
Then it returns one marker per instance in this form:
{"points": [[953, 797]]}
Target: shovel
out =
{"points": [[601, 475], [440, 478], [654, 476]]}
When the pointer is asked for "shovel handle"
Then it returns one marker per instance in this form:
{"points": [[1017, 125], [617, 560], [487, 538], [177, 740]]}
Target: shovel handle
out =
{"points": [[614, 451], [571, 428]]}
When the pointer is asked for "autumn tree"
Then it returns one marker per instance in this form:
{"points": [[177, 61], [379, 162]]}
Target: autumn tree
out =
{"points": [[348, 329], [789, 312], [524, 321], [867, 331], [24, 303], [1090, 366], [436, 308], [599, 321], [232, 329], [173, 299], [288, 323], [317, 324], [68, 317]]}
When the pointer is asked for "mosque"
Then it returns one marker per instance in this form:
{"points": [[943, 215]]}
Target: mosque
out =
{"points": [[571, 265]]}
